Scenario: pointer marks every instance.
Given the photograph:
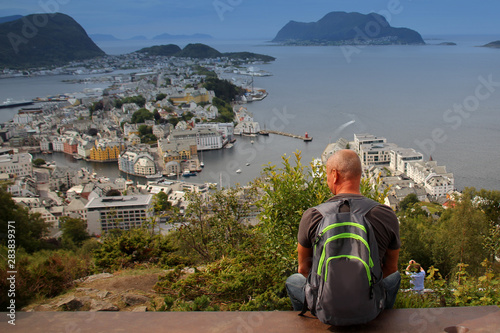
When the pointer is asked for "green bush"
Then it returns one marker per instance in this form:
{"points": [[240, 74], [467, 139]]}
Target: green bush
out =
{"points": [[44, 274], [136, 247]]}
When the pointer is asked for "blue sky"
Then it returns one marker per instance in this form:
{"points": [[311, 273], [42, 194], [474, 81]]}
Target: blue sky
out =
{"points": [[236, 19]]}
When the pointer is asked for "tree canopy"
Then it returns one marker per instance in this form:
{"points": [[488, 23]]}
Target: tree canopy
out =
{"points": [[141, 116]]}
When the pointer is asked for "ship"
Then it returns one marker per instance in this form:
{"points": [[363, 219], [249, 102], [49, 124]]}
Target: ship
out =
{"points": [[9, 103]]}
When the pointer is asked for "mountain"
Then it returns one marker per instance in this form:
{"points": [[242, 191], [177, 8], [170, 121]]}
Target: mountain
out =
{"points": [[200, 51], [194, 36], [28, 43], [493, 45], [10, 18], [341, 28], [161, 50]]}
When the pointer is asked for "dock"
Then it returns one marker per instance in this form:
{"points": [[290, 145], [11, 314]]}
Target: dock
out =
{"points": [[305, 138]]}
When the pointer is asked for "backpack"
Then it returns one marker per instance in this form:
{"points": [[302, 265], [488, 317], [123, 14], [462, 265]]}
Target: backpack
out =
{"points": [[344, 286]]}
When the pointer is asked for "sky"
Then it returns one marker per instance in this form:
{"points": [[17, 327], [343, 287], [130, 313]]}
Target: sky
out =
{"points": [[253, 19]]}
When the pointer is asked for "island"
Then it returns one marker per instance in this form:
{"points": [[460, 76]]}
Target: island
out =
{"points": [[341, 28], [493, 45], [201, 51]]}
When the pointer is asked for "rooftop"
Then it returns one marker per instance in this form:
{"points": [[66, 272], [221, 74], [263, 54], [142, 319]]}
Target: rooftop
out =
{"points": [[122, 201]]}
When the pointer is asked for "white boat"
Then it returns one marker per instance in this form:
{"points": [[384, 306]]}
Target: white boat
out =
{"points": [[202, 164], [247, 164], [238, 171], [155, 176]]}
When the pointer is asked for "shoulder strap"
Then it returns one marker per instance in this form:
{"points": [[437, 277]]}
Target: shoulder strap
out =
{"points": [[360, 205]]}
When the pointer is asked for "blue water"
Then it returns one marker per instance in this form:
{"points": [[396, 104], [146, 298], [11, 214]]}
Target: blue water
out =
{"points": [[404, 93]]}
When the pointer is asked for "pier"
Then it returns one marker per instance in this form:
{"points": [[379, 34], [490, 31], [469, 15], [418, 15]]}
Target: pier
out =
{"points": [[306, 137]]}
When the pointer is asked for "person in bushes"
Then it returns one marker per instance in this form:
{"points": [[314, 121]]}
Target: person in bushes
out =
{"points": [[417, 274]]}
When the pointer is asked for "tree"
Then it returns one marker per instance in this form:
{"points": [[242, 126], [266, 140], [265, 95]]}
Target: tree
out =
{"points": [[160, 97], [92, 131], [216, 227], [156, 115], [141, 116], [145, 129], [161, 203], [223, 89], [73, 230], [29, 228], [408, 201], [38, 161], [288, 192], [113, 193], [461, 235]]}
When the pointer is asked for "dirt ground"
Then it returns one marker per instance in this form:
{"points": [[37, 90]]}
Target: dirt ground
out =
{"points": [[121, 283]]}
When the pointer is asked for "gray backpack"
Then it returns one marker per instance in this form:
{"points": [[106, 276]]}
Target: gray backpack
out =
{"points": [[345, 285]]}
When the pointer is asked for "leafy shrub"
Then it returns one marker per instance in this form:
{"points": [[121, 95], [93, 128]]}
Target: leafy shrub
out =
{"points": [[44, 274], [135, 247]]}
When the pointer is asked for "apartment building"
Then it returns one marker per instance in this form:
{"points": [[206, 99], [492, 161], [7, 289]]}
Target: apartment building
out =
{"points": [[124, 212]]}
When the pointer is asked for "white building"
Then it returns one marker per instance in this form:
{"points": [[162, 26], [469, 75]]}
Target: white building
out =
{"points": [[124, 212], [375, 153], [436, 180], [439, 186], [225, 129], [58, 144], [247, 127], [400, 157], [18, 165], [206, 138], [137, 163], [367, 139]]}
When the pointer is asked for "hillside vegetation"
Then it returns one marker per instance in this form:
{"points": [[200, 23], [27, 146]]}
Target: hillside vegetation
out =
{"points": [[216, 260]]}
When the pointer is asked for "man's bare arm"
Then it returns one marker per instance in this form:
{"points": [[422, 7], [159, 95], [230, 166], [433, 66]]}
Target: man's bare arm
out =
{"points": [[305, 259], [391, 262]]}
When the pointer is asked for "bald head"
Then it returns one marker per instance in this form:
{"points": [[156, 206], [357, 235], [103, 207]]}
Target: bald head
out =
{"points": [[347, 164]]}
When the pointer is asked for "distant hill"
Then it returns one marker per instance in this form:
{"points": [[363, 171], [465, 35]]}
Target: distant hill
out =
{"points": [[493, 45], [161, 50], [10, 18], [194, 36], [59, 41], [200, 51], [337, 28]]}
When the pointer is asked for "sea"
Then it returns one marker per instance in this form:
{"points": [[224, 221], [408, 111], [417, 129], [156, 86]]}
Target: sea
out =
{"points": [[441, 100]]}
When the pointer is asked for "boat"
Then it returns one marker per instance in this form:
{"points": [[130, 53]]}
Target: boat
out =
{"points": [[155, 176], [172, 175], [238, 171], [202, 164], [247, 164], [188, 173], [9, 103], [251, 141]]}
